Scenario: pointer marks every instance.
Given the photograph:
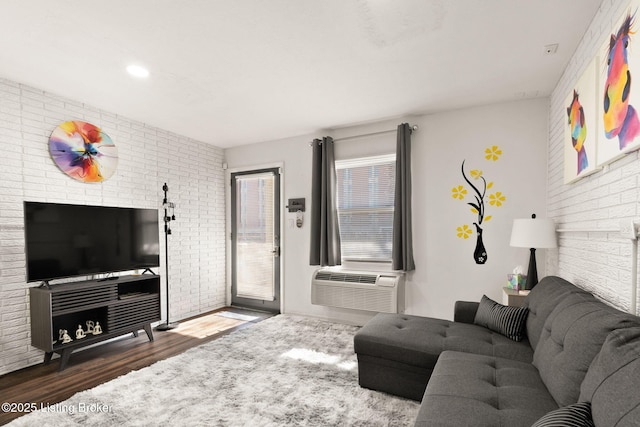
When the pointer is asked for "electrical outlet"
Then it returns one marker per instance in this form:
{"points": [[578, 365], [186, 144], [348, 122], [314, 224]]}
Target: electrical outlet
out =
{"points": [[628, 229]]}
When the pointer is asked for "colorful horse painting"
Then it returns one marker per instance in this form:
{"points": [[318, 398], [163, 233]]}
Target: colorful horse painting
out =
{"points": [[578, 127], [620, 118]]}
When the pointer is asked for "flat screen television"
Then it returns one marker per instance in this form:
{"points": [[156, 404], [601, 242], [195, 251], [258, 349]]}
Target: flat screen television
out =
{"points": [[65, 240]]}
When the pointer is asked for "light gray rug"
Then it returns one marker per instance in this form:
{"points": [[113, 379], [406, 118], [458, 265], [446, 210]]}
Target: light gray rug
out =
{"points": [[284, 371]]}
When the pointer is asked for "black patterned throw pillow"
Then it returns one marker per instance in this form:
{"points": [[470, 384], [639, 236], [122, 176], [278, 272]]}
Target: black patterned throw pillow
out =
{"points": [[508, 321], [576, 415]]}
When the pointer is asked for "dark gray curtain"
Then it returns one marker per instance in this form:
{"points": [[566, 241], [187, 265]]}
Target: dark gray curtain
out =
{"points": [[325, 232], [402, 249]]}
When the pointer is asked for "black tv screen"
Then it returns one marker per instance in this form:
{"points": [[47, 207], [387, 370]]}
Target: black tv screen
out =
{"points": [[64, 240]]}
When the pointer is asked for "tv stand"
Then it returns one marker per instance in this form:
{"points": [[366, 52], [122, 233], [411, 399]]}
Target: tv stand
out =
{"points": [[102, 309]]}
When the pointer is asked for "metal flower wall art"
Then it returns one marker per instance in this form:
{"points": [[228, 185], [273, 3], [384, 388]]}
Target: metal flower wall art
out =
{"points": [[477, 187], [83, 151]]}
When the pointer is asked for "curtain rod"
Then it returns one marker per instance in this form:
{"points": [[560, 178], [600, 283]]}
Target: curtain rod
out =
{"points": [[346, 138]]}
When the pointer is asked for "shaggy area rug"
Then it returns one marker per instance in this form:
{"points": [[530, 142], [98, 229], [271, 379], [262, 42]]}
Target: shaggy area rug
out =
{"points": [[284, 371]]}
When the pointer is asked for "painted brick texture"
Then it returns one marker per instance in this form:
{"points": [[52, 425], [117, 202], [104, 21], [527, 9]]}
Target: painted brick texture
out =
{"points": [[148, 157], [597, 261]]}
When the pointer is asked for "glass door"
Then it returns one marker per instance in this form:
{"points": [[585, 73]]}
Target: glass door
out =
{"points": [[255, 239]]}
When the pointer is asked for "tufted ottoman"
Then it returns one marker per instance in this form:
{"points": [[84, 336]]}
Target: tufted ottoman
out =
{"points": [[397, 352]]}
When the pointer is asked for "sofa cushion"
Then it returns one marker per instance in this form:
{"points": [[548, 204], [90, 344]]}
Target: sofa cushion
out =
{"points": [[508, 321], [418, 341], [576, 415], [470, 389], [611, 384], [571, 338], [541, 301]]}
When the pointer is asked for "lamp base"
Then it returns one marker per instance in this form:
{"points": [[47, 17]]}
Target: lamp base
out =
{"points": [[532, 273], [167, 326]]}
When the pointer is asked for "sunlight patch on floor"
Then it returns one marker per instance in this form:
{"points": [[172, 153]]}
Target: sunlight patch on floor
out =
{"points": [[205, 326], [316, 357], [237, 316]]}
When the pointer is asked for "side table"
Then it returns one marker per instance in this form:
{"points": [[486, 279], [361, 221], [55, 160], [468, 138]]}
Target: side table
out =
{"points": [[512, 298]]}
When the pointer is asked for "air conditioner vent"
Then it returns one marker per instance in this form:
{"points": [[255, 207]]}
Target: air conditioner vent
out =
{"points": [[359, 291], [331, 276]]}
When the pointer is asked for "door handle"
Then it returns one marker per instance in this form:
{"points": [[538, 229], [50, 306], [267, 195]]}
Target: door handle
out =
{"points": [[276, 251]]}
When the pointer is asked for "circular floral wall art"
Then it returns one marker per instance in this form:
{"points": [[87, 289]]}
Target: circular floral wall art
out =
{"points": [[83, 151]]}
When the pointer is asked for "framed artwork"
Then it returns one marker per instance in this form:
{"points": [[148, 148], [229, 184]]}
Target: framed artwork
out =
{"points": [[619, 91], [581, 126], [82, 151]]}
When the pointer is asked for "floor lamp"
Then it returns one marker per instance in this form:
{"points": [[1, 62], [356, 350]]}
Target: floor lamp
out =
{"points": [[167, 230], [534, 233]]}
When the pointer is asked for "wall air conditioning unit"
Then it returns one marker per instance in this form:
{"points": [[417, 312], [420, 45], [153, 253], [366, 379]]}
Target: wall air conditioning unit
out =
{"points": [[379, 292]]}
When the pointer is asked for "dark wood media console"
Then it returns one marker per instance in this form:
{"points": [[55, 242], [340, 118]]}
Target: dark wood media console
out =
{"points": [[117, 306]]}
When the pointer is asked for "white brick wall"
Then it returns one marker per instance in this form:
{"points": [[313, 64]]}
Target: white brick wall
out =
{"points": [[148, 157], [599, 262]]}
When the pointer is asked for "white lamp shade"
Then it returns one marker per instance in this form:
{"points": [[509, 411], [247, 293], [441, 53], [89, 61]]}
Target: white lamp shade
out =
{"points": [[533, 233]]}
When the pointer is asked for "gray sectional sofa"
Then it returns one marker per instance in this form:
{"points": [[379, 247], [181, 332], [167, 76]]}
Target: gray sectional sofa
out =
{"points": [[578, 357]]}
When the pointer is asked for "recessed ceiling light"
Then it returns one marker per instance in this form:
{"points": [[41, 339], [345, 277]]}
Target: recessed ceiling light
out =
{"points": [[138, 71]]}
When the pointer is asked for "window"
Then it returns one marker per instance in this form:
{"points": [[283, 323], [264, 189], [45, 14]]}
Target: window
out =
{"points": [[365, 207]]}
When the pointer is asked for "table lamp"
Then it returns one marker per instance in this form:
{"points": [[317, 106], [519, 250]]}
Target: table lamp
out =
{"points": [[533, 233]]}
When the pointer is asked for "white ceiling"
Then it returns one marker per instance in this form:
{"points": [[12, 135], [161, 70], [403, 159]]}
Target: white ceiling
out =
{"points": [[236, 72]]}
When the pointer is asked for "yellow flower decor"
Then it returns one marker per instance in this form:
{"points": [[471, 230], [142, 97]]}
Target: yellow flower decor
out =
{"points": [[458, 192], [475, 173], [478, 187], [492, 153], [496, 199], [464, 231]]}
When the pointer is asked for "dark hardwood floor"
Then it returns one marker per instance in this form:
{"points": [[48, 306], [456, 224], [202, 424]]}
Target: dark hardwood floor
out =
{"points": [[44, 385]]}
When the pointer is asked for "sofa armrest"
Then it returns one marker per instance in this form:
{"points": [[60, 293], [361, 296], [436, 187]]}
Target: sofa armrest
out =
{"points": [[465, 311]]}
